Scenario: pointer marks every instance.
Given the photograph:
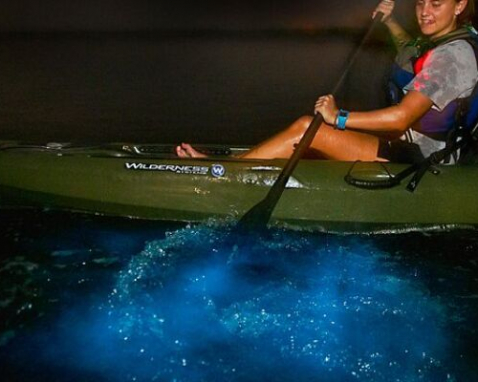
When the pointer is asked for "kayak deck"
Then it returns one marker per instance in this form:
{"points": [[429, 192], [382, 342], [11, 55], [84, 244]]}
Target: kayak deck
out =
{"points": [[150, 182]]}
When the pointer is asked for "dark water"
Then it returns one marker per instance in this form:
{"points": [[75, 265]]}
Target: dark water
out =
{"points": [[210, 88], [93, 299]]}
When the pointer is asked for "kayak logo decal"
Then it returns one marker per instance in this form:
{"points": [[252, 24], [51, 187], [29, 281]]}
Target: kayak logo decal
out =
{"points": [[175, 168], [218, 170]]}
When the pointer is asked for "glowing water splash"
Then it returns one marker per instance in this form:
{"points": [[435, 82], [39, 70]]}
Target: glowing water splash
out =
{"points": [[289, 307]]}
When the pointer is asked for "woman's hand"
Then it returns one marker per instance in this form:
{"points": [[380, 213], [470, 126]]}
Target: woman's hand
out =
{"points": [[386, 7], [327, 107]]}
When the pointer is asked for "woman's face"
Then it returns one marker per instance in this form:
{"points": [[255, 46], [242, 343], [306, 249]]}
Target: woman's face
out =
{"points": [[438, 17]]}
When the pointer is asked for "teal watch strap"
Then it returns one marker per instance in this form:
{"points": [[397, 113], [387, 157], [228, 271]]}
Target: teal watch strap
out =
{"points": [[342, 119]]}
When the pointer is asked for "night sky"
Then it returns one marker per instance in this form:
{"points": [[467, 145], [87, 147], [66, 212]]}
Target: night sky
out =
{"points": [[124, 15]]}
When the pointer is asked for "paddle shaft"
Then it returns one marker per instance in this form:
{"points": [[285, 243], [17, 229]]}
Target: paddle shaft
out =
{"points": [[258, 216]]}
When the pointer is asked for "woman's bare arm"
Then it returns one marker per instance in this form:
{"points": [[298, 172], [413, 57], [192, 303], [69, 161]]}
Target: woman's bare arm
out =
{"points": [[393, 119]]}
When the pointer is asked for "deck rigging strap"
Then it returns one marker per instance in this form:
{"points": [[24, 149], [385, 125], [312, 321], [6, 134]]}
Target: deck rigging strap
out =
{"points": [[418, 169]]}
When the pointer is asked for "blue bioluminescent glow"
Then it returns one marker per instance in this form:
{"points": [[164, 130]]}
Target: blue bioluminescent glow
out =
{"points": [[288, 307], [205, 305]]}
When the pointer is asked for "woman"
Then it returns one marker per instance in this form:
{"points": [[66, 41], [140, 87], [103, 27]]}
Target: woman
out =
{"points": [[447, 74]]}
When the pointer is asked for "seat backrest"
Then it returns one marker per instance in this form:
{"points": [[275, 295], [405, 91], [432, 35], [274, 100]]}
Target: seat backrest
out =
{"points": [[471, 112], [469, 126], [468, 120]]}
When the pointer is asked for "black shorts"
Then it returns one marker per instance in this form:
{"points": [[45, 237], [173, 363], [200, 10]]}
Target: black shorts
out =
{"points": [[399, 151]]}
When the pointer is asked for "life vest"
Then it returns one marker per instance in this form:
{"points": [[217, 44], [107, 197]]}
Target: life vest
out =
{"points": [[409, 63]]}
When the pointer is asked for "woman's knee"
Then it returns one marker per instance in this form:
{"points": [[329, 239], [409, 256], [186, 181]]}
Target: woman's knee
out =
{"points": [[301, 124]]}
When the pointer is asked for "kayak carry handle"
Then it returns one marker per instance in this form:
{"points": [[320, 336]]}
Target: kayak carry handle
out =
{"points": [[371, 179]]}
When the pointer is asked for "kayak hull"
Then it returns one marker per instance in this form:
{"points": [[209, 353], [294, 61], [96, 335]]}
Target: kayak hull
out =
{"points": [[121, 180]]}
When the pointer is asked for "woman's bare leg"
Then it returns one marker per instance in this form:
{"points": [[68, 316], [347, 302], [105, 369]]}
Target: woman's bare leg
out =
{"points": [[331, 143]]}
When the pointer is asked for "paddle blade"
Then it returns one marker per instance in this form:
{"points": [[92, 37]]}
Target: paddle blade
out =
{"points": [[257, 217]]}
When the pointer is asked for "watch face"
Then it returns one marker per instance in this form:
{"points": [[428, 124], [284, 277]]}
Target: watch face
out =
{"points": [[342, 119]]}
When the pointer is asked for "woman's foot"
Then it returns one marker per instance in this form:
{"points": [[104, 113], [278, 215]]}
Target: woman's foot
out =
{"points": [[184, 150]]}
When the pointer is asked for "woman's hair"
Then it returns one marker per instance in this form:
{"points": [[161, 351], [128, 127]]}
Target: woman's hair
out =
{"points": [[466, 17]]}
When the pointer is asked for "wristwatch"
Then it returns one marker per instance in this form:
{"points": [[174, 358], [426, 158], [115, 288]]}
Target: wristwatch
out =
{"points": [[341, 119]]}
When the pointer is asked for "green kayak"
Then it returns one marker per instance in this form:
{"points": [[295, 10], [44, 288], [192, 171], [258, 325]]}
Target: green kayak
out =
{"points": [[149, 182]]}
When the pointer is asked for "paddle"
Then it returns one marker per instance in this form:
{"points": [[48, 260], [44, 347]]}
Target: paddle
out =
{"points": [[258, 216]]}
